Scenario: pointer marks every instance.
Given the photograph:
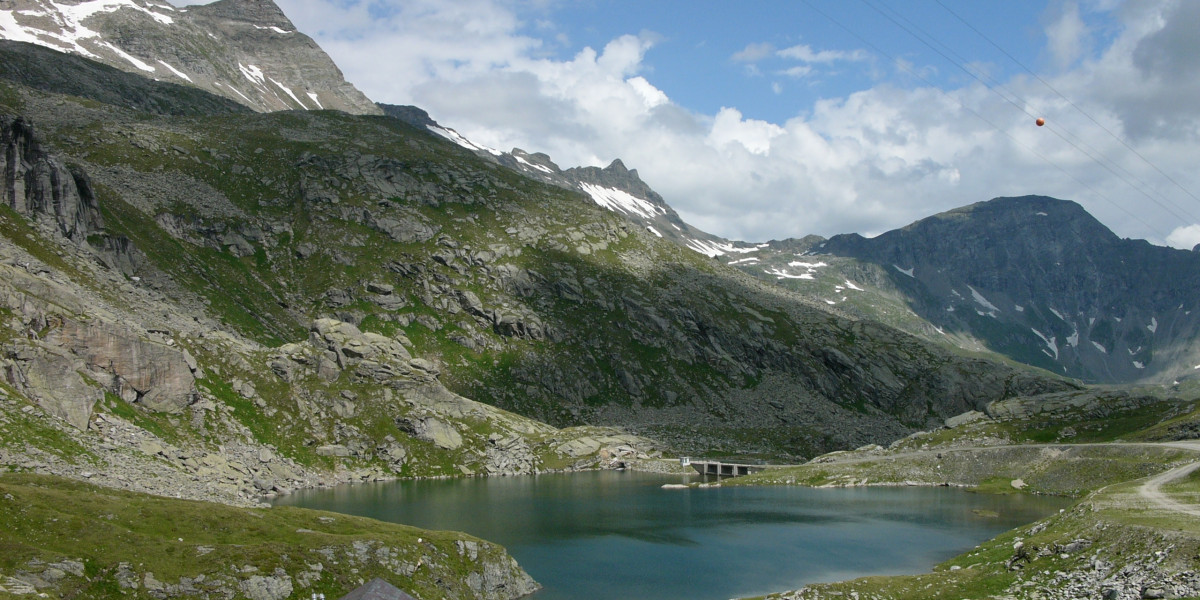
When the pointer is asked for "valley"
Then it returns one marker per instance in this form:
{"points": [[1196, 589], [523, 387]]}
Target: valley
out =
{"points": [[214, 292]]}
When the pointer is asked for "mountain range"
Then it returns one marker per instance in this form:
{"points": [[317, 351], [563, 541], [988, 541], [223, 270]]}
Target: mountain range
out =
{"points": [[226, 273], [1091, 317]]}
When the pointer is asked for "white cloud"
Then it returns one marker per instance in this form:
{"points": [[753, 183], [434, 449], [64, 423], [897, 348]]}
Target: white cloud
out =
{"points": [[753, 53], [805, 53], [751, 135], [870, 161], [1186, 237], [797, 71], [1066, 35]]}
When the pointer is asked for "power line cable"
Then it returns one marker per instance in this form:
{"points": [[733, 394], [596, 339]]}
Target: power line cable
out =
{"points": [[1077, 108], [1021, 105], [914, 73]]}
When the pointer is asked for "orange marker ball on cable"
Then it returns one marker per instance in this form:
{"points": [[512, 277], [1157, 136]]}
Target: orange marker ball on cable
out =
{"points": [[1040, 121]]}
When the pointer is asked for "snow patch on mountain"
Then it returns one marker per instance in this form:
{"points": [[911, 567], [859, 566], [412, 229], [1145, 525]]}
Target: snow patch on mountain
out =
{"points": [[234, 90], [315, 100], [1153, 326], [809, 269], [542, 168], [1100, 347], [784, 274], [288, 90], [129, 58], [78, 12], [1051, 343], [653, 230], [980, 300], [712, 249], [908, 272], [621, 201], [253, 73], [457, 138], [274, 28], [177, 72]]}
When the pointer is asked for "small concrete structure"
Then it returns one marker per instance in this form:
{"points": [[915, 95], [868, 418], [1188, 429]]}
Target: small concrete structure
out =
{"points": [[720, 469], [377, 589]]}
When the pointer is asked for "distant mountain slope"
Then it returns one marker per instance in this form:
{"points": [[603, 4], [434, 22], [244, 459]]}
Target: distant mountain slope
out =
{"points": [[245, 50], [45, 69], [615, 187], [1073, 297], [1042, 281], [1035, 279]]}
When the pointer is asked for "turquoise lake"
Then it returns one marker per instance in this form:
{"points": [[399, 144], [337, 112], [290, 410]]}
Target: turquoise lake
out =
{"points": [[618, 535]]}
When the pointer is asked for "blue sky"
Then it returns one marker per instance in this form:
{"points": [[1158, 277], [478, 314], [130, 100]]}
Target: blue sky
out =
{"points": [[713, 54], [765, 120]]}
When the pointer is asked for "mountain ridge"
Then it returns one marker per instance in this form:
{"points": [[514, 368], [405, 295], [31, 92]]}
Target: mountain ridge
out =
{"points": [[245, 50], [1042, 251]]}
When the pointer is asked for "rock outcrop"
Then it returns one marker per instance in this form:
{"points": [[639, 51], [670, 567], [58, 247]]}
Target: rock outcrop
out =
{"points": [[143, 372], [37, 184]]}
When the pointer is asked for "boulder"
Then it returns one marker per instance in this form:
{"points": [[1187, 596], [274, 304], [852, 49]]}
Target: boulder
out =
{"points": [[275, 587], [968, 417], [431, 429], [54, 383], [333, 450], [149, 373]]}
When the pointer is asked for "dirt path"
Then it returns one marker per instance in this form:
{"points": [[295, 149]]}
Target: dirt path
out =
{"points": [[1152, 489]]}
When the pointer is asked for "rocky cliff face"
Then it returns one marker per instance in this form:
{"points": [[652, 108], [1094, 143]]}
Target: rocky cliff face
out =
{"points": [[244, 50], [37, 184]]}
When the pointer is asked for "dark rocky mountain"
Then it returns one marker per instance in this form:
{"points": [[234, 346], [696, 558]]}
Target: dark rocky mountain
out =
{"points": [[1042, 281], [244, 50]]}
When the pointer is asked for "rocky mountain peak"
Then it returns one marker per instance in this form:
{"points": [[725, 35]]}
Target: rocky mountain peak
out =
{"points": [[1036, 218], [1042, 281], [263, 13], [617, 167], [537, 159], [244, 50]]}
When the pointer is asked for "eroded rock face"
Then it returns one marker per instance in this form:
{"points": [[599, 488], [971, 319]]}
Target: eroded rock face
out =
{"points": [[148, 373], [35, 183]]}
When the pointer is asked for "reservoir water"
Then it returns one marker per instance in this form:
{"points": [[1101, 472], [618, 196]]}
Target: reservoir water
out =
{"points": [[617, 535]]}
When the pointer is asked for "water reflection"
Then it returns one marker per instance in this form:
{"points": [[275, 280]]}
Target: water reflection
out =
{"points": [[574, 532]]}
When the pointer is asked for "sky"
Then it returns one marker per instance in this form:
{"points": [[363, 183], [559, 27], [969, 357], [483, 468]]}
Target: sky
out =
{"points": [[766, 120]]}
